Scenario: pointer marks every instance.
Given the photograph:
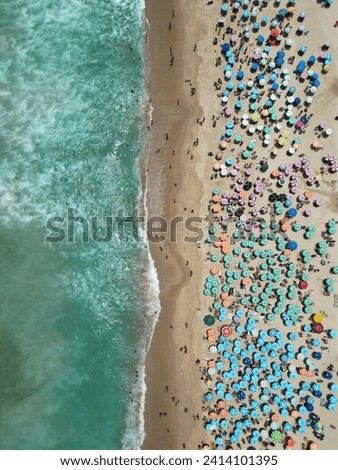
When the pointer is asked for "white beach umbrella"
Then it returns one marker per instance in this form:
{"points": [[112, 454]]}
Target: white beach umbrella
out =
{"points": [[273, 97], [290, 99], [224, 99], [313, 89], [308, 100], [213, 349], [245, 122], [328, 131], [251, 130], [290, 107], [250, 84], [278, 126]]}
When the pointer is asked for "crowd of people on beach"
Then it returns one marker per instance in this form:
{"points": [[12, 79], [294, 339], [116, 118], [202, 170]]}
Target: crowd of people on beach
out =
{"points": [[270, 375]]}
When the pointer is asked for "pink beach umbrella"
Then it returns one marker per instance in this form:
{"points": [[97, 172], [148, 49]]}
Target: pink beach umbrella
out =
{"points": [[323, 125], [304, 75], [234, 38], [228, 111], [307, 212], [319, 202]]}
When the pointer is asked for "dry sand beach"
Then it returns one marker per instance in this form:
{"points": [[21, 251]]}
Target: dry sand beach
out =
{"points": [[202, 383]]}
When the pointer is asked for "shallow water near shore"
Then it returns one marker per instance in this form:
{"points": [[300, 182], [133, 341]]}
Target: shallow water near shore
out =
{"points": [[71, 87]]}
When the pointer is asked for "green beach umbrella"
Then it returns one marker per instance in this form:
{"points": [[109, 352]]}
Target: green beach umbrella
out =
{"points": [[276, 436]]}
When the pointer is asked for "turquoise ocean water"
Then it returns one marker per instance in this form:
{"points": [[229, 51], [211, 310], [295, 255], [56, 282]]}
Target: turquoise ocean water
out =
{"points": [[71, 88]]}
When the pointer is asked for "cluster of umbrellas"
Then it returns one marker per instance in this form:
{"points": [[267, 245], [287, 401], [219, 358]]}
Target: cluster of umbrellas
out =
{"points": [[263, 384]]}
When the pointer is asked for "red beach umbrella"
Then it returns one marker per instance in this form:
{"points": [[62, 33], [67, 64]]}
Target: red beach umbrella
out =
{"points": [[303, 285], [226, 330], [317, 328], [274, 32]]}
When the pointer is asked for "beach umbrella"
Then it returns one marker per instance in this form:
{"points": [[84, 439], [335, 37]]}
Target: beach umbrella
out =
{"points": [[226, 330], [317, 328], [209, 320], [225, 47], [240, 75], [276, 436], [291, 245]]}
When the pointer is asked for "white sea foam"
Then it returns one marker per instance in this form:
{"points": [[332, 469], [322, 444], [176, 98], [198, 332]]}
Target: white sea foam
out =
{"points": [[150, 286]]}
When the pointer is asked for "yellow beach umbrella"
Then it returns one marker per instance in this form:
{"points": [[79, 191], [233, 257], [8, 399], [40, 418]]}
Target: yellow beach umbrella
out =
{"points": [[255, 117], [318, 318]]}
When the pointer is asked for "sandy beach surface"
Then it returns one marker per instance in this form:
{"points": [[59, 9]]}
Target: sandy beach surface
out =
{"points": [[184, 170]]}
